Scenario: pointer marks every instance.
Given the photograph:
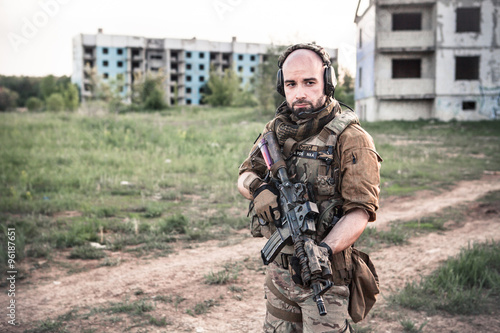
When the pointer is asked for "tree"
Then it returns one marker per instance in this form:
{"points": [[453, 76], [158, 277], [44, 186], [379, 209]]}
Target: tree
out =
{"points": [[8, 99], [25, 86], [48, 86], [221, 88], [148, 91], [344, 92], [70, 95], [265, 80]]}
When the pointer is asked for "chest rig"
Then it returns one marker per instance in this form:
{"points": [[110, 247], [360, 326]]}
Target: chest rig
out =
{"points": [[316, 162]]}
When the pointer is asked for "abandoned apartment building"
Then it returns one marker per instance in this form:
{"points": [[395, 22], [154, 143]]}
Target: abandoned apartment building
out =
{"points": [[184, 63], [428, 59]]}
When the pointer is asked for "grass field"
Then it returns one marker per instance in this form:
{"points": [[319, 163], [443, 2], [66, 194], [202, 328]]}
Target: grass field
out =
{"points": [[138, 182], [148, 178]]}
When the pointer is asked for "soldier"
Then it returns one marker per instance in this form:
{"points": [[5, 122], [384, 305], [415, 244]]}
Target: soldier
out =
{"points": [[326, 148]]}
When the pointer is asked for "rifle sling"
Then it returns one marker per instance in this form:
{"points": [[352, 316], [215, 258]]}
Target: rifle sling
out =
{"points": [[283, 314], [276, 292]]}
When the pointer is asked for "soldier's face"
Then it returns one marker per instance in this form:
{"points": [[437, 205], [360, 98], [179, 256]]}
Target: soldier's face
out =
{"points": [[303, 78]]}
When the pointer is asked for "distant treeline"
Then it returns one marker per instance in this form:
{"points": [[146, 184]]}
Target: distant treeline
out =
{"points": [[37, 93]]}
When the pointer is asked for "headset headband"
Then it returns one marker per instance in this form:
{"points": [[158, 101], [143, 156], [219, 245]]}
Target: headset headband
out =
{"points": [[321, 52], [329, 79]]}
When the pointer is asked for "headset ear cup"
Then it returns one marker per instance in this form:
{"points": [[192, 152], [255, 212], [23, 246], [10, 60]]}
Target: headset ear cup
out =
{"points": [[280, 88], [330, 81]]}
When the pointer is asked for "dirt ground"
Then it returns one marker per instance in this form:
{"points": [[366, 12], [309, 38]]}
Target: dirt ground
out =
{"points": [[176, 283]]}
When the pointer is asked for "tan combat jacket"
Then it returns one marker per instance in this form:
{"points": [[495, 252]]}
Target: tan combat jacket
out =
{"points": [[358, 166]]}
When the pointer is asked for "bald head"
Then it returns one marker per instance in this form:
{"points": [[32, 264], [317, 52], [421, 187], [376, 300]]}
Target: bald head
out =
{"points": [[303, 58], [303, 72]]}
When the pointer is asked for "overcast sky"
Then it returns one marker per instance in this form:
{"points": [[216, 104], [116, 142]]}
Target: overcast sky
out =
{"points": [[35, 35]]}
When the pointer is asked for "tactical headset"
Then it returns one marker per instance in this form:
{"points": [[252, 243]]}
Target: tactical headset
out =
{"points": [[329, 79]]}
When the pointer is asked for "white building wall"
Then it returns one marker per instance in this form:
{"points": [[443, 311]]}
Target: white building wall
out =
{"points": [[404, 109], [437, 94], [365, 56], [452, 93]]}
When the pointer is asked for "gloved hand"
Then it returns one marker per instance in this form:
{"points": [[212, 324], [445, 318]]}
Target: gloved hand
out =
{"points": [[266, 203]]}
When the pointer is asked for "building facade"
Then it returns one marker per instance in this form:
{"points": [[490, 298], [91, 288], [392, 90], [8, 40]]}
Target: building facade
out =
{"points": [[428, 59], [184, 63]]}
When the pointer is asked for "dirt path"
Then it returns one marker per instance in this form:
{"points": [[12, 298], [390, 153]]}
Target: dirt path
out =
{"points": [[239, 307]]}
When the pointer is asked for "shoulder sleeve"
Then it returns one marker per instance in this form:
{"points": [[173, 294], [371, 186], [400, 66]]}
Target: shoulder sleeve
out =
{"points": [[360, 171], [255, 162]]}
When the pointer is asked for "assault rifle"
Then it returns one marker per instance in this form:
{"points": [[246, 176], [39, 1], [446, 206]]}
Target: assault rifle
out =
{"points": [[296, 225]]}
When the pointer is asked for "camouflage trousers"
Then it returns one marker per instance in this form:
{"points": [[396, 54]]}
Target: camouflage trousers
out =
{"points": [[336, 303]]}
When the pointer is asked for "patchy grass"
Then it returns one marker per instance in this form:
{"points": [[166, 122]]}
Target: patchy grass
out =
{"points": [[467, 284]]}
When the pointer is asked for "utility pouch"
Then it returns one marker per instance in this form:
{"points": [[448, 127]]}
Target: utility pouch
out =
{"points": [[342, 267], [325, 186], [364, 286]]}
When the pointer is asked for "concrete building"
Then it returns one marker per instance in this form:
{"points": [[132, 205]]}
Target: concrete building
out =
{"points": [[185, 63], [428, 59]]}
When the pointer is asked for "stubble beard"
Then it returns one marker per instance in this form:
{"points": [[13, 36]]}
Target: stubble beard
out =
{"points": [[301, 112]]}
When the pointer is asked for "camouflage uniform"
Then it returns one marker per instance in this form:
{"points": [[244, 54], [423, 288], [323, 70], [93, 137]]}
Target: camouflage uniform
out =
{"points": [[351, 182]]}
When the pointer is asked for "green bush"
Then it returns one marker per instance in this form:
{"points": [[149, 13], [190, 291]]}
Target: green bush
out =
{"points": [[55, 102], [8, 99], [34, 104]]}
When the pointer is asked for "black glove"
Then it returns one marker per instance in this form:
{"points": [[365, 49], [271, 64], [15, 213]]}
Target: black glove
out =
{"points": [[266, 203]]}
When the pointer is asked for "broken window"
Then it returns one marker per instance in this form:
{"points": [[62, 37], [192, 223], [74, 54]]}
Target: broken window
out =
{"points": [[240, 57], [105, 63], [119, 51], [105, 50], [469, 19], [467, 68], [119, 63], [469, 105], [202, 67], [188, 66], [188, 101], [88, 51], [202, 79], [252, 69], [406, 68], [188, 54], [202, 55], [252, 58], [406, 21], [240, 69], [136, 64], [188, 90], [188, 78]]}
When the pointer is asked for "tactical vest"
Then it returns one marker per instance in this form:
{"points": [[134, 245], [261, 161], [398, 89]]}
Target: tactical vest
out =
{"points": [[315, 162]]}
